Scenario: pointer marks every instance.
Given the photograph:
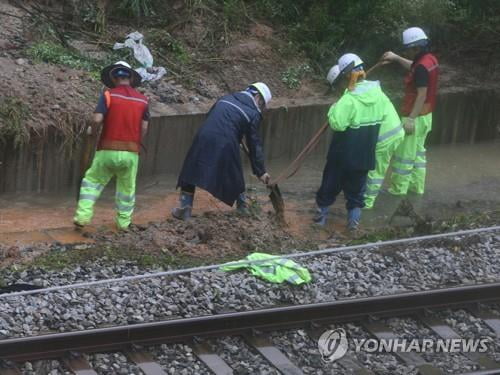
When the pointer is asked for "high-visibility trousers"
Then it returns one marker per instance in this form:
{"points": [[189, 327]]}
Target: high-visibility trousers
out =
{"points": [[107, 164], [409, 164], [383, 154]]}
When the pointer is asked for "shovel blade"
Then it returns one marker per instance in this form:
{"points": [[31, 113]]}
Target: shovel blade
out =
{"points": [[277, 201]]}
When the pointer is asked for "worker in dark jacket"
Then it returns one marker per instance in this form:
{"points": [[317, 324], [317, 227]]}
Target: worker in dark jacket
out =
{"points": [[355, 119], [213, 162]]}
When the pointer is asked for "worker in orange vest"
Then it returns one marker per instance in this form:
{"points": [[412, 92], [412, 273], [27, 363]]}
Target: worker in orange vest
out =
{"points": [[123, 113], [419, 102]]}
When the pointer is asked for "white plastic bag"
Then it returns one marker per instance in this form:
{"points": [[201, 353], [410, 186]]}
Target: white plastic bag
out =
{"points": [[143, 55]]}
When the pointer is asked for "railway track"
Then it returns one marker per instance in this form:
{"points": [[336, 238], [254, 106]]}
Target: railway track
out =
{"points": [[255, 328]]}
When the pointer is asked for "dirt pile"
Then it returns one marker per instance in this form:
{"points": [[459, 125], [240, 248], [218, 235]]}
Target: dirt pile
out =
{"points": [[219, 233]]}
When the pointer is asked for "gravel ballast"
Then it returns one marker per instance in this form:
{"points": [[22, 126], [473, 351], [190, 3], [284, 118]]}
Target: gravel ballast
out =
{"points": [[386, 270], [450, 262]]}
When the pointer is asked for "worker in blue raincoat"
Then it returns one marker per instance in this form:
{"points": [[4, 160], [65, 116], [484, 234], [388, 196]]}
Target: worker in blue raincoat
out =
{"points": [[213, 162]]}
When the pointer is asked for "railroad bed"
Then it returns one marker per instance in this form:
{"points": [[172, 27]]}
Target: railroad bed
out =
{"points": [[205, 294], [278, 340]]}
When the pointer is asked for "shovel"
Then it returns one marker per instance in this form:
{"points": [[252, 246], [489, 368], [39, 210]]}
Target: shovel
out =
{"points": [[274, 194]]}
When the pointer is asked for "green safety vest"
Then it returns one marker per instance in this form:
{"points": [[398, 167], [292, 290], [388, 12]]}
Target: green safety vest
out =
{"points": [[272, 268]]}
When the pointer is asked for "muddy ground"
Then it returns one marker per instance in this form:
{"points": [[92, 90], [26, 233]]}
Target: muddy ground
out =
{"points": [[38, 227], [218, 235]]}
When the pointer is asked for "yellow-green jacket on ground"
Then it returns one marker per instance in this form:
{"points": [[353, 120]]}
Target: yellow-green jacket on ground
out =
{"points": [[272, 268]]}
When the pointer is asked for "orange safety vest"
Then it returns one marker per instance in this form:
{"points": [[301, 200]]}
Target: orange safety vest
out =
{"points": [[122, 123], [429, 62]]}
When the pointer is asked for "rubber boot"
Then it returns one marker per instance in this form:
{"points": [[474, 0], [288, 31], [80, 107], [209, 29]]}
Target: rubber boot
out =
{"points": [[353, 218], [241, 204], [184, 211], [321, 216]]}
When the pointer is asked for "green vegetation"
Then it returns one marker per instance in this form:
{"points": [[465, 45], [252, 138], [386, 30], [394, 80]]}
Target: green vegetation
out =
{"points": [[54, 53], [13, 114], [51, 52], [320, 30], [324, 29], [292, 76]]}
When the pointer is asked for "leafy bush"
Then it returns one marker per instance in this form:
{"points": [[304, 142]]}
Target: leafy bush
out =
{"points": [[292, 76], [324, 29]]}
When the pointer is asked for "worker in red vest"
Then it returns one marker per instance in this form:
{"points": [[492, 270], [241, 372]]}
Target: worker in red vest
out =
{"points": [[124, 115], [421, 82]]}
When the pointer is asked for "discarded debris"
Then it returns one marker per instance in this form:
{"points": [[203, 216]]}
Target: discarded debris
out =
{"points": [[143, 55]]}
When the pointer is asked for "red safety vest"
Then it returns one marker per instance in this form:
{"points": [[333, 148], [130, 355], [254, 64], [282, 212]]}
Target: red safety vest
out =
{"points": [[429, 62], [122, 122]]}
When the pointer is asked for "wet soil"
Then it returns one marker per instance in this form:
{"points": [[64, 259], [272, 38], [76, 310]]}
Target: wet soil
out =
{"points": [[456, 198]]}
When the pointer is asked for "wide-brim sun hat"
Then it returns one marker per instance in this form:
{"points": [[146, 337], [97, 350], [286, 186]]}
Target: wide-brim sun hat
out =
{"points": [[107, 74]]}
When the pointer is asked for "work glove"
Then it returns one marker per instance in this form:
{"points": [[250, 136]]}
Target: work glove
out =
{"points": [[265, 178], [409, 125]]}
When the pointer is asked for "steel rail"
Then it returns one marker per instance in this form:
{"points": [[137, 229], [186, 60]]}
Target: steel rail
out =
{"points": [[247, 322], [369, 247]]}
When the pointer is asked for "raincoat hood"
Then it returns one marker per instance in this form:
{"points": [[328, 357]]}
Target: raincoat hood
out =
{"points": [[366, 92]]}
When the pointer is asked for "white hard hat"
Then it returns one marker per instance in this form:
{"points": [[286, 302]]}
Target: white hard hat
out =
{"points": [[348, 62], [414, 36], [124, 63], [333, 74], [264, 91]]}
